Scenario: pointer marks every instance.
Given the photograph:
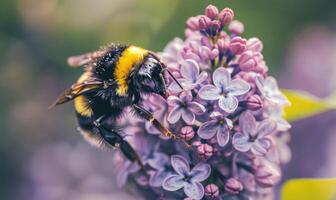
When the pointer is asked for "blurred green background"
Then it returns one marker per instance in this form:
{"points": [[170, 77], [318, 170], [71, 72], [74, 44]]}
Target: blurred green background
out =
{"points": [[36, 37]]}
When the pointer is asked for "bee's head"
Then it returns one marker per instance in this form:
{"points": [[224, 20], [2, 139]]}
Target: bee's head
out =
{"points": [[149, 76]]}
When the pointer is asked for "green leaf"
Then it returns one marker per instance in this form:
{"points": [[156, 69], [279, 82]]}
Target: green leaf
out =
{"points": [[305, 105]]}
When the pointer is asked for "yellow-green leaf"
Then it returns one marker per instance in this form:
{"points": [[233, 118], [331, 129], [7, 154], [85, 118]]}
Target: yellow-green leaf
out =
{"points": [[305, 104]]}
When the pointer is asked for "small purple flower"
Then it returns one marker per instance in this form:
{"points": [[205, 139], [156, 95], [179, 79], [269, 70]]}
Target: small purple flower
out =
{"points": [[191, 76], [162, 170], [275, 112], [224, 90], [186, 178], [252, 135], [269, 89], [184, 107], [127, 169], [149, 155], [218, 126]]}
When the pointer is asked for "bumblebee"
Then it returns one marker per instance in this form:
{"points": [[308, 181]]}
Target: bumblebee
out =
{"points": [[115, 78]]}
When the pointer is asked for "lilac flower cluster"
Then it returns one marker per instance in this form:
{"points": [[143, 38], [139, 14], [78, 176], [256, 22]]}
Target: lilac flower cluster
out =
{"points": [[230, 111]]}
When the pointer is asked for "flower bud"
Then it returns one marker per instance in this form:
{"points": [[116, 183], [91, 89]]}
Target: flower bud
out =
{"points": [[205, 151], [214, 53], [187, 133], [248, 77], [254, 102], [222, 44], [247, 61], [204, 22], [267, 174], [237, 45], [211, 11], [205, 42], [233, 186], [211, 191], [262, 68], [254, 44], [236, 27], [226, 16], [192, 23]]}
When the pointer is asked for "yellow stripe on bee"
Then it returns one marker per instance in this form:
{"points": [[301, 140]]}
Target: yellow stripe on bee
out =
{"points": [[130, 57], [84, 77], [82, 106]]}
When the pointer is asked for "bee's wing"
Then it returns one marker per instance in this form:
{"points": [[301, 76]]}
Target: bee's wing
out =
{"points": [[83, 59], [76, 90]]}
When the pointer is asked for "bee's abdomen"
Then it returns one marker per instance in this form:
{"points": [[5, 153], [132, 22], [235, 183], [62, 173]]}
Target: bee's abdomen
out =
{"points": [[82, 106]]}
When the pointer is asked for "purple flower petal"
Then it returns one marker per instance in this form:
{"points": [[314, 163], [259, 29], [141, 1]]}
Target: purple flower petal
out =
{"points": [[173, 183], [122, 179], [194, 190], [180, 164], [282, 125], [209, 92], [241, 142], [151, 129], [202, 77], [200, 172], [266, 127], [196, 108], [174, 115], [261, 146], [186, 97], [157, 178], [173, 100], [221, 77], [190, 70], [159, 162], [188, 116], [247, 123], [238, 87], [208, 129], [223, 136], [229, 104], [127, 169], [270, 84], [279, 98], [174, 87], [260, 84]]}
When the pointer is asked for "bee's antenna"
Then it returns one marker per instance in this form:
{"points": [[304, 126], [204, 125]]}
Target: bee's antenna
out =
{"points": [[178, 83]]}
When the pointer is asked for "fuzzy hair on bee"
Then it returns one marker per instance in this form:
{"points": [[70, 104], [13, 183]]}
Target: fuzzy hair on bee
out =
{"points": [[114, 80]]}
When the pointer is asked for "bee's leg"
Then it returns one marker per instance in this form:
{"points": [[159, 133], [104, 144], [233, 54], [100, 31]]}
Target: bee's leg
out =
{"points": [[142, 112], [112, 137], [147, 115]]}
